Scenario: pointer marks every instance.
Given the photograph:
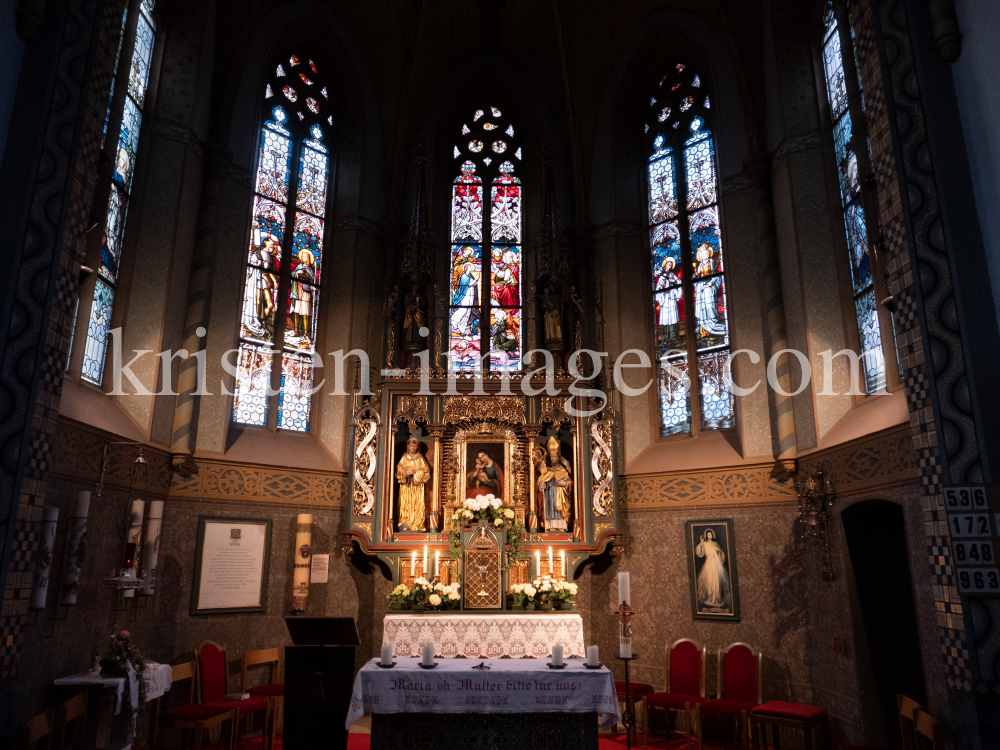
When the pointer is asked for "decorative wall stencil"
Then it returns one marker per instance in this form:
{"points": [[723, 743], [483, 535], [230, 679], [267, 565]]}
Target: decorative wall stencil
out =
{"points": [[240, 482]]}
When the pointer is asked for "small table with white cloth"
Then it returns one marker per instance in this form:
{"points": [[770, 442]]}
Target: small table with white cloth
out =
{"points": [[156, 676], [446, 706]]}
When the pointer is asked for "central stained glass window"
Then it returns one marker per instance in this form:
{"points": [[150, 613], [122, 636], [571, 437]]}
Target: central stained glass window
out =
{"points": [[283, 282], [689, 286], [485, 319]]}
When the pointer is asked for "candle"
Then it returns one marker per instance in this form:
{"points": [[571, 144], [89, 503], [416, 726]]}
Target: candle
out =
{"points": [[132, 543], [592, 659], [437, 563], [552, 571], [303, 559], [428, 654], [77, 534], [562, 554], [425, 561], [40, 585], [624, 627], [387, 654], [151, 549], [557, 652], [413, 564], [538, 563]]}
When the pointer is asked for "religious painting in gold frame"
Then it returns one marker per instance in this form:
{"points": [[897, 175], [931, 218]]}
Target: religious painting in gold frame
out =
{"points": [[715, 590], [485, 463]]}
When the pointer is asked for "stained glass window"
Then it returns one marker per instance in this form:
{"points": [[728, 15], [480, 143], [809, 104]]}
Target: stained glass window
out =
{"points": [[108, 270], [289, 210], [486, 245], [689, 290], [873, 361]]}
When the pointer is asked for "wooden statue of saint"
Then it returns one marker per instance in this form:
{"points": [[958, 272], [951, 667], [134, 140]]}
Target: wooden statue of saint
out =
{"points": [[412, 473], [555, 485]]}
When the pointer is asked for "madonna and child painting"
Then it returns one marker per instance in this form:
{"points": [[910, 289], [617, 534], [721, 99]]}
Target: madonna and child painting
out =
{"points": [[712, 569]]}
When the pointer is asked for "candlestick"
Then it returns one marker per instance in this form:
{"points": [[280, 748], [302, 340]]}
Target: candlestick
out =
{"points": [[437, 563], [552, 571], [425, 561], [413, 564], [624, 616]]}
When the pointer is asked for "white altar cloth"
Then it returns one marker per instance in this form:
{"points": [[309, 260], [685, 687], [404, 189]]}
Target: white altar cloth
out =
{"points": [[486, 636], [509, 686], [156, 676]]}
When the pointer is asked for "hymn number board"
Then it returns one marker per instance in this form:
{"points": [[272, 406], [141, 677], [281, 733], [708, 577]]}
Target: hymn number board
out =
{"points": [[974, 524]]}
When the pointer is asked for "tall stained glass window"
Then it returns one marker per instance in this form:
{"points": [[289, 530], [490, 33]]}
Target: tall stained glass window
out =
{"points": [[689, 294], [486, 245], [274, 372], [845, 147], [136, 78]]}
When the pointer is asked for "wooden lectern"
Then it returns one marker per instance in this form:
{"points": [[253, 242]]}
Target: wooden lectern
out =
{"points": [[319, 680]]}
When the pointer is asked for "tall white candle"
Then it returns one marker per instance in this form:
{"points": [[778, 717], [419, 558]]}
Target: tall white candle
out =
{"points": [[413, 564], [552, 570], [151, 547], [592, 656], [428, 653], [624, 627], [77, 534], [562, 554], [40, 584], [387, 654], [538, 563], [437, 563], [303, 561], [557, 654], [425, 561], [134, 537]]}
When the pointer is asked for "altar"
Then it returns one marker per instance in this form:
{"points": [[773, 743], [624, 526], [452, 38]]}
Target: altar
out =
{"points": [[455, 702], [485, 636]]}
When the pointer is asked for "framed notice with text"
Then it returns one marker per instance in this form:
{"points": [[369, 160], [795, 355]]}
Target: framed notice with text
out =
{"points": [[974, 526], [231, 562]]}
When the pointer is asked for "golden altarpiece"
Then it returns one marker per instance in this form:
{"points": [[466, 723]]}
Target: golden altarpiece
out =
{"points": [[428, 453]]}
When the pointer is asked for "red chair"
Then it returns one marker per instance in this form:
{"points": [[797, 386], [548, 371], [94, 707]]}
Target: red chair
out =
{"points": [[685, 683], [190, 718], [637, 692], [739, 688], [213, 681], [778, 714]]}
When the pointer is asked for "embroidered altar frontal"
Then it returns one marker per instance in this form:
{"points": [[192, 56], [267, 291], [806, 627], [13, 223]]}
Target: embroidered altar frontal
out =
{"points": [[485, 636]]}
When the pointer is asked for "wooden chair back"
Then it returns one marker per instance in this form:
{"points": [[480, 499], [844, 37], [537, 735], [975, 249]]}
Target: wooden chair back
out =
{"points": [[686, 668], [908, 709], [739, 674], [929, 733], [185, 671], [270, 656], [212, 671], [70, 722], [36, 734]]}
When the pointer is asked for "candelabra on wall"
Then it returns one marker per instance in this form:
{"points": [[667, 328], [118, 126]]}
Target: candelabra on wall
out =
{"points": [[816, 494]]}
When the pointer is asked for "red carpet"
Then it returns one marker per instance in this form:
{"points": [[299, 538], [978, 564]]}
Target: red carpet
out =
{"points": [[607, 742], [354, 742]]}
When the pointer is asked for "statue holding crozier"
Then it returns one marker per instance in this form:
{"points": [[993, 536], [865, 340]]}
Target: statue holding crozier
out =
{"points": [[555, 485], [412, 473]]}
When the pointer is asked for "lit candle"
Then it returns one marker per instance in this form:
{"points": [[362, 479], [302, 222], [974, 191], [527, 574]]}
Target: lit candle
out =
{"points": [[425, 561], [437, 563], [557, 655], [624, 628], [387, 654], [552, 571], [538, 563], [562, 554], [413, 564]]}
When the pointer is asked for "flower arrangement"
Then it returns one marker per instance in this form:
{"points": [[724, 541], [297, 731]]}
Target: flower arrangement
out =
{"points": [[399, 596], [488, 508], [445, 597], [422, 589], [525, 594], [562, 592], [119, 653]]}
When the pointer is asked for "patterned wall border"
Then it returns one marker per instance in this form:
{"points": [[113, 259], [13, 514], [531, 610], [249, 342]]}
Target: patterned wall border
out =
{"points": [[885, 459]]}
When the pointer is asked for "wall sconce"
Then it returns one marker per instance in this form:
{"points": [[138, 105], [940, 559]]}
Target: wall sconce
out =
{"points": [[816, 494]]}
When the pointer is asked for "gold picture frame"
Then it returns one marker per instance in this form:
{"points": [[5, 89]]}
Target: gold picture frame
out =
{"points": [[464, 439]]}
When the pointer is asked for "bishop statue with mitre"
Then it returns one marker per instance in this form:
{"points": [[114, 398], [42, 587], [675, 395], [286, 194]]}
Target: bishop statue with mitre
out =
{"points": [[412, 473], [555, 485]]}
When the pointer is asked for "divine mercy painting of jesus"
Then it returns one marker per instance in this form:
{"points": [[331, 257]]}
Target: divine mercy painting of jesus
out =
{"points": [[712, 569]]}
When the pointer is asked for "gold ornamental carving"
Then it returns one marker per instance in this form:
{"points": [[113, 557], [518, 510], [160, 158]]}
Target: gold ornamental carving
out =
{"points": [[499, 409], [601, 468], [365, 444], [412, 408]]}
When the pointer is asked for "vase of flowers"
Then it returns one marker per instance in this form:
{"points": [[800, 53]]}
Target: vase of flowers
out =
{"points": [[419, 593], [563, 592], [525, 594], [487, 510], [545, 587], [445, 597], [118, 655], [398, 597]]}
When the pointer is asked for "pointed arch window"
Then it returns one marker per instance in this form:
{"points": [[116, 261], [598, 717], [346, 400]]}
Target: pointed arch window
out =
{"points": [[274, 372], [486, 245], [135, 79], [847, 120], [689, 295]]}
